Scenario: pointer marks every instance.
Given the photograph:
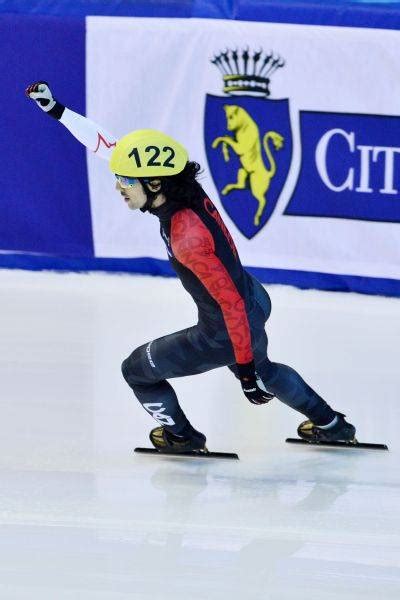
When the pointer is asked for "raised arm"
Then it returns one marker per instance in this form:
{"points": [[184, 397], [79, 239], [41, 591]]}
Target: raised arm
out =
{"points": [[90, 134]]}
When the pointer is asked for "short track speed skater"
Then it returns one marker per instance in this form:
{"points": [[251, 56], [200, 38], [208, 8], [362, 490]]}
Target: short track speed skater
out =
{"points": [[339, 433], [166, 443]]}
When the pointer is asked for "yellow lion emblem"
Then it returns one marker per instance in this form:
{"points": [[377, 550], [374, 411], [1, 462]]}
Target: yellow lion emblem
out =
{"points": [[247, 145]]}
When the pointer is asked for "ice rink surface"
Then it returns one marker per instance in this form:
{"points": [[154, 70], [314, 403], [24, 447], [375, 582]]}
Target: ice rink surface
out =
{"points": [[82, 518]]}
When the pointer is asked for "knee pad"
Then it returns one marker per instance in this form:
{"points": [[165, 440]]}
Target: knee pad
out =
{"points": [[125, 369], [131, 368]]}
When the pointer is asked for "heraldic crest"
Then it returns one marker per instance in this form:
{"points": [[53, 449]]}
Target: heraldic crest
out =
{"points": [[250, 160]]}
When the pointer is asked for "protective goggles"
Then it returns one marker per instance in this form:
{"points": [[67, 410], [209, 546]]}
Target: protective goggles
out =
{"points": [[126, 181]]}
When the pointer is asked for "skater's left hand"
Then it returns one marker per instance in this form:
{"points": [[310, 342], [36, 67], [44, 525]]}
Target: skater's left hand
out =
{"points": [[41, 93], [252, 386]]}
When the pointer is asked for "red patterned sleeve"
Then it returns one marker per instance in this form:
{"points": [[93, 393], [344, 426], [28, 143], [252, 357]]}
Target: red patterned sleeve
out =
{"points": [[193, 245]]}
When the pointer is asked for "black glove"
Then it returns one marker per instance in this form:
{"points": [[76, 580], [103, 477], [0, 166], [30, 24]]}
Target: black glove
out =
{"points": [[41, 94], [252, 386]]}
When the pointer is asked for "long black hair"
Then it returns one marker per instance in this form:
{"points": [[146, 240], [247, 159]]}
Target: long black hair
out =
{"points": [[183, 188]]}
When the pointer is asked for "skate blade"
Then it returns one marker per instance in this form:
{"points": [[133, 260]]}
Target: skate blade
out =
{"points": [[192, 453], [354, 444]]}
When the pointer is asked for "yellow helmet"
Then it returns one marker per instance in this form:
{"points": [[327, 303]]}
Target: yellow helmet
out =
{"points": [[148, 153]]}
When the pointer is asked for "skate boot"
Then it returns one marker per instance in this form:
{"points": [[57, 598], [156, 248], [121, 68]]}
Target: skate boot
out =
{"points": [[165, 441], [341, 431]]}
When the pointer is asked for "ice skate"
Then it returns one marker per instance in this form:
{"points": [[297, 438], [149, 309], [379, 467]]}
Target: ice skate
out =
{"points": [[341, 434], [165, 441], [169, 444], [341, 431]]}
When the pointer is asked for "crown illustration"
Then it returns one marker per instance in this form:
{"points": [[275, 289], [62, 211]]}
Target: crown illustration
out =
{"points": [[242, 72]]}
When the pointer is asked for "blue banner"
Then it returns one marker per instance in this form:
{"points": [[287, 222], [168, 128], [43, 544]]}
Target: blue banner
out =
{"points": [[383, 14], [350, 167], [44, 202]]}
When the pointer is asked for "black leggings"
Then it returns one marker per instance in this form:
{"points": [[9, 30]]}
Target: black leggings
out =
{"points": [[196, 350]]}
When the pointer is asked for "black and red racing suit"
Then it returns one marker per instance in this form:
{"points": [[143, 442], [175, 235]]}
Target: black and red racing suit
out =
{"points": [[232, 310]]}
